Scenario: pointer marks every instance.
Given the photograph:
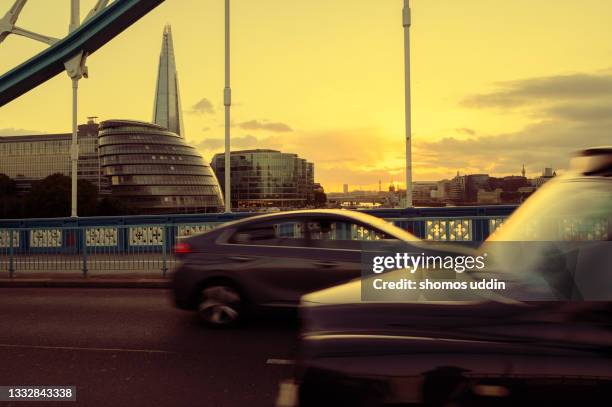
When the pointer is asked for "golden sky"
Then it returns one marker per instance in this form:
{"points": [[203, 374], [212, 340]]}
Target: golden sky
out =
{"points": [[496, 83]]}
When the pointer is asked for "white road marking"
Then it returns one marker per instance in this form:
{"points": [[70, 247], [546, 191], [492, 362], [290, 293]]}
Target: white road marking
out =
{"points": [[280, 362], [287, 394]]}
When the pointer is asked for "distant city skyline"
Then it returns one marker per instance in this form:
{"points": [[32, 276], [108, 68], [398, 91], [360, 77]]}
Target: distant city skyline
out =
{"points": [[325, 80], [347, 188]]}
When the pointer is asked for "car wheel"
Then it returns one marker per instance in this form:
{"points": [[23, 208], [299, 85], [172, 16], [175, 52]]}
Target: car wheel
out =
{"points": [[220, 305]]}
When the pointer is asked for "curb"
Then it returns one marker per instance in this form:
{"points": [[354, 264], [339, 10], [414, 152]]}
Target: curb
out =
{"points": [[84, 283]]}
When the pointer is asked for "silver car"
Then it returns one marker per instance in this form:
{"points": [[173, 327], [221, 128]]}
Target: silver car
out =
{"points": [[270, 261]]}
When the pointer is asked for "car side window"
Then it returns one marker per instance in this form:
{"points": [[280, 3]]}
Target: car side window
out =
{"points": [[272, 233], [341, 234]]}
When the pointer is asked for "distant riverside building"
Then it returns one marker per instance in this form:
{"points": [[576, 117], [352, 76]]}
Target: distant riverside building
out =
{"points": [[456, 189], [475, 183], [423, 192], [547, 175], [483, 189], [155, 171], [345, 188], [489, 197], [28, 159], [267, 179]]}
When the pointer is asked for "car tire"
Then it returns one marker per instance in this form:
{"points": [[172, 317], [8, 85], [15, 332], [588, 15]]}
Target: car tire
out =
{"points": [[221, 305]]}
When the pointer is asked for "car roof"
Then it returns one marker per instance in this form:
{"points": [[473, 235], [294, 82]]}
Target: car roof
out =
{"points": [[594, 161], [354, 215], [358, 217]]}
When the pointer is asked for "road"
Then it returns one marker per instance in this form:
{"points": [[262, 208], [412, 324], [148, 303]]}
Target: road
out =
{"points": [[131, 347]]}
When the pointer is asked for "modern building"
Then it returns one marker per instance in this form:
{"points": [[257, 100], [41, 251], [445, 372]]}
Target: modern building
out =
{"points": [[484, 197], [167, 111], [547, 175], [422, 192], [473, 184], [456, 189], [267, 179], [155, 171], [28, 159]]}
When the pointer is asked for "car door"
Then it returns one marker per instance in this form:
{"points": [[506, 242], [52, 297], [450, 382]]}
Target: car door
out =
{"points": [[273, 260], [337, 246]]}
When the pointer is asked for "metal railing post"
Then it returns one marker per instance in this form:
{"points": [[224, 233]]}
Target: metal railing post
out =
{"points": [[84, 252], [164, 251], [11, 265]]}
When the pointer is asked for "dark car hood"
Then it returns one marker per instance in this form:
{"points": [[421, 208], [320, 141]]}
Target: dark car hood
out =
{"points": [[338, 312]]}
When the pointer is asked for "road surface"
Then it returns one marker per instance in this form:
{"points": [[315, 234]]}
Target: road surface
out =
{"points": [[131, 347], [97, 263]]}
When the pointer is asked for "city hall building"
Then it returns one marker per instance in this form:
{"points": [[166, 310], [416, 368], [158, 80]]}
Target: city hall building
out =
{"points": [[155, 170], [150, 169]]}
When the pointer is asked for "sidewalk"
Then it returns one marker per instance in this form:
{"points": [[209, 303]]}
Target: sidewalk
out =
{"points": [[76, 280]]}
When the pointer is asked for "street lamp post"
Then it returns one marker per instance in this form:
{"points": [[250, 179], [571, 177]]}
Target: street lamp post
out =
{"points": [[406, 23], [75, 17], [227, 101]]}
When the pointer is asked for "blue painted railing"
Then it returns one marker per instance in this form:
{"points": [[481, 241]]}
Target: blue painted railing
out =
{"points": [[462, 224], [144, 243]]}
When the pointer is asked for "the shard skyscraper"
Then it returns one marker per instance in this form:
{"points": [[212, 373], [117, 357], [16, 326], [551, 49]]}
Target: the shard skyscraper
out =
{"points": [[167, 111]]}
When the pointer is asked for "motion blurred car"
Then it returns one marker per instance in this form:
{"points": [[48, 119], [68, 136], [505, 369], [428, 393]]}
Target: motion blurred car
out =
{"points": [[486, 351], [270, 261]]}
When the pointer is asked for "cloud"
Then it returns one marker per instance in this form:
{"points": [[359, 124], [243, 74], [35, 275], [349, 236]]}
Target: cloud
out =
{"points": [[585, 112], [555, 88], [340, 155], [569, 112], [9, 131], [210, 144], [244, 142], [204, 106], [465, 130], [543, 144], [265, 125]]}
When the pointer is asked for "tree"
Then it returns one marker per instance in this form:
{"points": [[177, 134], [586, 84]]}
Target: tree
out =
{"points": [[109, 206], [320, 199], [9, 201], [51, 197], [7, 185]]}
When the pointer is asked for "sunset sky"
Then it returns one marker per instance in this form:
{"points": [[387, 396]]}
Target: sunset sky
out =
{"points": [[496, 83]]}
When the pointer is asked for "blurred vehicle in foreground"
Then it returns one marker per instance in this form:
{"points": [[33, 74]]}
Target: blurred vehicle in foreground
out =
{"points": [[487, 352], [270, 261]]}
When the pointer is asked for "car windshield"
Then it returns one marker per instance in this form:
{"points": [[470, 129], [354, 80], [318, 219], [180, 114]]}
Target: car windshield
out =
{"points": [[563, 210]]}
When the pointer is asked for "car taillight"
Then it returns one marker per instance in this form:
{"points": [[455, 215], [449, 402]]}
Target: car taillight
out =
{"points": [[182, 248]]}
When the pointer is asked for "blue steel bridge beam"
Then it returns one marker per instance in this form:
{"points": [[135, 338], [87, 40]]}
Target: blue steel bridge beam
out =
{"points": [[88, 38]]}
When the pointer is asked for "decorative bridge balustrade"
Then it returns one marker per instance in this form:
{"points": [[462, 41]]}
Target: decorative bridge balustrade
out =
{"points": [[143, 244]]}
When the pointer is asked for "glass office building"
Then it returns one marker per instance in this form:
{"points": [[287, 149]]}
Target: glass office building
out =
{"points": [[28, 159], [155, 171], [267, 179]]}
